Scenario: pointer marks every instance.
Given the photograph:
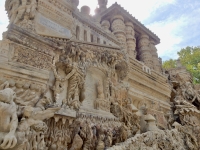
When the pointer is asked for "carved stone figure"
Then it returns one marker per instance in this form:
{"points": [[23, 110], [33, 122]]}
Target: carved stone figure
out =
{"points": [[100, 90], [21, 11], [123, 132], [9, 119], [69, 80], [141, 113], [75, 103], [58, 87], [189, 93]]}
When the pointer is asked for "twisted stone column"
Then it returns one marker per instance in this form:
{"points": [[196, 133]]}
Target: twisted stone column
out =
{"points": [[155, 59], [118, 28], [130, 39], [144, 50]]}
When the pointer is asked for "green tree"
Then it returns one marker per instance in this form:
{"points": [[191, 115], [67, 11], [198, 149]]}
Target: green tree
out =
{"points": [[190, 58], [169, 64]]}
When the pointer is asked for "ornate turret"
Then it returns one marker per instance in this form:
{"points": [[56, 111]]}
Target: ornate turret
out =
{"points": [[102, 5], [85, 10]]}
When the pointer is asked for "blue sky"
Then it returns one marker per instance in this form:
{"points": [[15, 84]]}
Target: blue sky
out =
{"points": [[176, 22]]}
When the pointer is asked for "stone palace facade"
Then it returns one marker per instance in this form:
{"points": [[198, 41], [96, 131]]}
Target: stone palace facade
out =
{"points": [[69, 80]]}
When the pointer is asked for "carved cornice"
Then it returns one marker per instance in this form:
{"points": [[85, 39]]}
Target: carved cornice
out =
{"points": [[57, 11], [33, 41], [93, 25], [156, 82]]}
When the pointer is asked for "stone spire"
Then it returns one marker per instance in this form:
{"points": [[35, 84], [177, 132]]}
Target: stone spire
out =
{"points": [[102, 5], [75, 3]]}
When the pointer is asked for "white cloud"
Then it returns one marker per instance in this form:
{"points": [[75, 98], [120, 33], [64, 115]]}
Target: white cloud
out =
{"points": [[4, 19], [168, 31], [141, 9]]}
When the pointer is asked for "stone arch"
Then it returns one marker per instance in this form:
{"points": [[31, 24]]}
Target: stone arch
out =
{"points": [[93, 75]]}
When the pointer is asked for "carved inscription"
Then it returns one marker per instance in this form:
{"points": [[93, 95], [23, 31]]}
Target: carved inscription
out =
{"points": [[46, 26]]}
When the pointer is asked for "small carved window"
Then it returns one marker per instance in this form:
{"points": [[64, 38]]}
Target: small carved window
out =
{"points": [[98, 40], [92, 38], [85, 35], [77, 32], [104, 42]]}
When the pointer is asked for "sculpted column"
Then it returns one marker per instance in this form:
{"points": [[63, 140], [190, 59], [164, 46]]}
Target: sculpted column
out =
{"points": [[144, 50], [156, 61], [130, 39], [118, 28]]}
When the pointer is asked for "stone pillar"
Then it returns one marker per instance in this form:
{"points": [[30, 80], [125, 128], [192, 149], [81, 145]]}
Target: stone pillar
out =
{"points": [[144, 50], [155, 59], [105, 24], [118, 28], [130, 39]]}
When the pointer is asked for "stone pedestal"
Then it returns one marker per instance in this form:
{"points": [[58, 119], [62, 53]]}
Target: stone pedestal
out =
{"points": [[151, 125]]}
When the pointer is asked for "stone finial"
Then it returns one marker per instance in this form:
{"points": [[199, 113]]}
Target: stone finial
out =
{"points": [[102, 2], [102, 5], [85, 10], [75, 3]]}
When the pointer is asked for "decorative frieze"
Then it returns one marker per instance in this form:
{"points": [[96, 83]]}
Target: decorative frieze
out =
{"points": [[32, 58]]}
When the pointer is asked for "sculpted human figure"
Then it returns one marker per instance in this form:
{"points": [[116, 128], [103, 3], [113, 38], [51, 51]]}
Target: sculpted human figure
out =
{"points": [[100, 90], [108, 138], [189, 93], [141, 114], [11, 7], [32, 9], [20, 11], [4, 85], [8, 119], [75, 103], [123, 132], [59, 81], [33, 117]]}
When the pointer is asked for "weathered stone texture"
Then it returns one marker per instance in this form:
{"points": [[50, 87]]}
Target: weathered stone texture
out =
{"points": [[69, 80]]}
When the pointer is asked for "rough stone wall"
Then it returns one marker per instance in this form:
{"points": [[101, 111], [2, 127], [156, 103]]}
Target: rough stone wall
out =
{"points": [[61, 92]]}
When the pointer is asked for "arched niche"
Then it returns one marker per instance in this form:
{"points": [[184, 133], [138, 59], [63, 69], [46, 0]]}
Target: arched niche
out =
{"points": [[93, 75]]}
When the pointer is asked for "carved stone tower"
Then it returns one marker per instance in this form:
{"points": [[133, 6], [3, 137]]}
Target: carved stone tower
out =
{"points": [[70, 80], [102, 5]]}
